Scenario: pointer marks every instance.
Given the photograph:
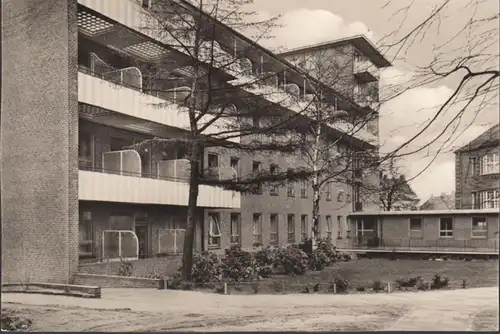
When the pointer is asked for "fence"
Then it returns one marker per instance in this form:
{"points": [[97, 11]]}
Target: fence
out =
{"points": [[119, 244], [171, 241], [419, 244]]}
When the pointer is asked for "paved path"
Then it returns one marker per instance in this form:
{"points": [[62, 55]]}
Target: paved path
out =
{"points": [[147, 309]]}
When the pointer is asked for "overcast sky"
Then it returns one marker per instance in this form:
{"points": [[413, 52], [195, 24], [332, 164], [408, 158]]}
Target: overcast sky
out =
{"points": [[314, 21]]}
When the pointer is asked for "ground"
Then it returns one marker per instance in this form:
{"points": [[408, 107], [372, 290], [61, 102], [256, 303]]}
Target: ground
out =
{"points": [[167, 310]]}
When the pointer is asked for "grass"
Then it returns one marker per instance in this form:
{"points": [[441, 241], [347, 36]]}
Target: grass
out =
{"points": [[363, 272]]}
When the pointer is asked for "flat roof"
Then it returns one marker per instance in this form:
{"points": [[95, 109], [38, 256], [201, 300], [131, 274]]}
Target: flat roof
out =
{"points": [[425, 212], [361, 43]]}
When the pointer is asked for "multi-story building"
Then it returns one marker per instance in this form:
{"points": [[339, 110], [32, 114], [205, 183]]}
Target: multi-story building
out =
{"points": [[477, 172], [78, 91]]}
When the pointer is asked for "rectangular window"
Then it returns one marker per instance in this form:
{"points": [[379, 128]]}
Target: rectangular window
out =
{"points": [[340, 196], [303, 227], [303, 188], [290, 190], [489, 199], [214, 233], [213, 160], [479, 227], [273, 220], [489, 164], [256, 121], [273, 170], [291, 228], [256, 169], [85, 230], [257, 229], [339, 226], [445, 227], [474, 201], [328, 227], [235, 228], [234, 163], [328, 191], [85, 150]]}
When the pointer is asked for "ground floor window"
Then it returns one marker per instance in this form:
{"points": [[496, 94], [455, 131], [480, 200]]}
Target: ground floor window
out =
{"points": [[415, 227], [257, 229], [214, 233], [479, 227], [273, 220], [85, 230], [235, 228], [303, 227], [445, 227], [291, 228]]}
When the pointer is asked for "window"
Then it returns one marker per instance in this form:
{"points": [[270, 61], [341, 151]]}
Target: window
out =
{"points": [[256, 121], [489, 199], [85, 150], [339, 226], [146, 3], [474, 201], [416, 224], [234, 163], [479, 227], [291, 228], [489, 164], [290, 190], [256, 168], [214, 234], [328, 191], [273, 170], [303, 227], [213, 160], [273, 219], [235, 228], [340, 195], [85, 233], [365, 226], [474, 162], [303, 188], [445, 227], [328, 227], [257, 229]]}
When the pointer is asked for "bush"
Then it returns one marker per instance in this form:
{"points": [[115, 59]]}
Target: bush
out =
{"points": [[438, 283], [360, 288], [293, 260], [125, 268], [206, 271], [318, 260], [421, 285], [407, 283], [326, 246], [264, 261], [342, 285], [237, 264], [377, 286]]}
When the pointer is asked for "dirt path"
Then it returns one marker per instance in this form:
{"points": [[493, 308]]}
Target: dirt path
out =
{"points": [[152, 310]]}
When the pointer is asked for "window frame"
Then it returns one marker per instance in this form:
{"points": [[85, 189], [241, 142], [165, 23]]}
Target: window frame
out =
{"points": [[304, 185], [328, 195], [211, 236], [273, 235], [87, 243], [476, 236], [290, 190], [255, 172], [237, 168], [273, 189], [304, 227], [210, 155], [290, 224], [257, 238], [235, 238], [446, 234]]}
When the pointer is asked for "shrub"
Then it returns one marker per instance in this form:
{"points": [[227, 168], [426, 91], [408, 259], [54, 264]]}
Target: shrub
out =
{"points": [[318, 260], [237, 264], [421, 285], [326, 246], [342, 284], [255, 287], [264, 261], [277, 286], [377, 286], [464, 283], [360, 288], [293, 260], [438, 283], [407, 283], [125, 268], [316, 287], [206, 271]]}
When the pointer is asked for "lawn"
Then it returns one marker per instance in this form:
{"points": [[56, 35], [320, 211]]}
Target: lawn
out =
{"points": [[363, 272]]}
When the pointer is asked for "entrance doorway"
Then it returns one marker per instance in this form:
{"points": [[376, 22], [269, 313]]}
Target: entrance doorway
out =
{"points": [[142, 232]]}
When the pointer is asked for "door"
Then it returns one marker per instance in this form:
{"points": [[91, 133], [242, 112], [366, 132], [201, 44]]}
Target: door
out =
{"points": [[142, 232]]}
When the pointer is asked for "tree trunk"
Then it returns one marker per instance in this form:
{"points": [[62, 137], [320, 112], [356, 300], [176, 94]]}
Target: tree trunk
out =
{"points": [[315, 212], [315, 182], [187, 255]]}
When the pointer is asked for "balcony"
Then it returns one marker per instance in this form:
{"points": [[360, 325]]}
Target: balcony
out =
{"points": [[118, 98], [365, 71], [120, 180]]}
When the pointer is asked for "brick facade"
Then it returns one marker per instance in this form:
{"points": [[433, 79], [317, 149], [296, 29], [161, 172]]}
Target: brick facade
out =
{"points": [[39, 129]]}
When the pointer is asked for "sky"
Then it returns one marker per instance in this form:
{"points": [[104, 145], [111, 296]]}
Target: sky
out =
{"points": [[314, 21]]}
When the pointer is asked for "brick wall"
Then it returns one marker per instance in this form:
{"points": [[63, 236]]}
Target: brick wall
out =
{"points": [[468, 178], [39, 186], [107, 281]]}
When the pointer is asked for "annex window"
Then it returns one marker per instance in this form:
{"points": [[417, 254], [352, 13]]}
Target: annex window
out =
{"points": [[479, 227], [214, 233], [445, 227]]}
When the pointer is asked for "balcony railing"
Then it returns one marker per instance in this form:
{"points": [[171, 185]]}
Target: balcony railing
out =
{"points": [[424, 245], [365, 71]]}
